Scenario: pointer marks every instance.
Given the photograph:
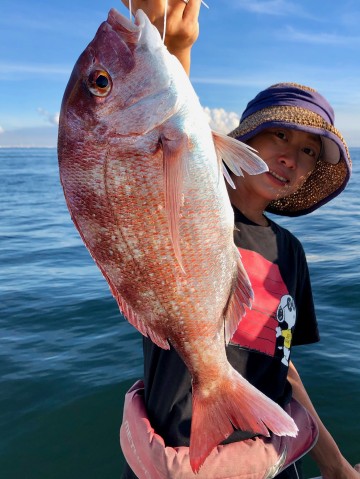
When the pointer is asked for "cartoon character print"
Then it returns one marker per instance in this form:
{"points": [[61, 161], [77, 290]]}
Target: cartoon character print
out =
{"points": [[268, 326], [286, 316]]}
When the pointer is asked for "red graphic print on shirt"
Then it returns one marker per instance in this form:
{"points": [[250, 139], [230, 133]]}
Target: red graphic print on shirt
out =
{"points": [[260, 329]]}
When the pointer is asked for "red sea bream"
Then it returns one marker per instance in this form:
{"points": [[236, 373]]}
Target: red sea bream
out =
{"points": [[141, 173]]}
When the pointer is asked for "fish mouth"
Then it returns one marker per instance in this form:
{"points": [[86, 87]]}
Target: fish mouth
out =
{"points": [[133, 34], [128, 30]]}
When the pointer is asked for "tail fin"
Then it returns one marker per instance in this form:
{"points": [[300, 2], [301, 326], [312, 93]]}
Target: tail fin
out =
{"points": [[234, 403]]}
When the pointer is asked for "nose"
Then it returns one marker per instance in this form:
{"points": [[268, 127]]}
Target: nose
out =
{"points": [[289, 157]]}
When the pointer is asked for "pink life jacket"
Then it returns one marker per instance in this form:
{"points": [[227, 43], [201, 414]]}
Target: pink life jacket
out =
{"points": [[257, 458]]}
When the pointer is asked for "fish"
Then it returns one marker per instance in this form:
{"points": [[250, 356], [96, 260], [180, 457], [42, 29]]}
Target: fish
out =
{"points": [[142, 176]]}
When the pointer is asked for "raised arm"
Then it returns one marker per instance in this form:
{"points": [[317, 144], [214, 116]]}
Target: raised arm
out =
{"points": [[182, 25]]}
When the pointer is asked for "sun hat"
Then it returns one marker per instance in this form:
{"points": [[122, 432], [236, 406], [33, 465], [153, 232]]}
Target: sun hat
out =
{"points": [[290, 105]]}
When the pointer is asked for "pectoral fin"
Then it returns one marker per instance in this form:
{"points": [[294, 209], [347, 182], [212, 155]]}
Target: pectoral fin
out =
{"points": [[237, 156], [175, 154]]}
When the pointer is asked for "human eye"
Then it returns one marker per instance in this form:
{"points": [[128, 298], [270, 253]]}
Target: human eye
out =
{"points": [[280, 134], [313, 153]]}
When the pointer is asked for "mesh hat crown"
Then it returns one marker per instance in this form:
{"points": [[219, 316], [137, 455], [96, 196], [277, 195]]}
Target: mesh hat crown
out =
{"points": [[290, 105]]}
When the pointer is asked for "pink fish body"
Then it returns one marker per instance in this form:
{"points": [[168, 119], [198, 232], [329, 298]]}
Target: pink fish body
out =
{"points": [[143, 184]]}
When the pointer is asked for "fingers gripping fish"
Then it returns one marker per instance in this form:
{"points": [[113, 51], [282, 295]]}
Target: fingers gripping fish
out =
{"points": [[141, 173]]}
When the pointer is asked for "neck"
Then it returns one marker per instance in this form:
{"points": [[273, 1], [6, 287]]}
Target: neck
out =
{"points": [[253, 210], [257, 218]]}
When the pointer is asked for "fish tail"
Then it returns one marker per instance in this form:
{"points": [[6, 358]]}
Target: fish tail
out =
{"points": [[232, 404]]}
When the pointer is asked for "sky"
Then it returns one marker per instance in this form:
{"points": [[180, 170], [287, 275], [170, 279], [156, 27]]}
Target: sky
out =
{"points": [[243, 47]]}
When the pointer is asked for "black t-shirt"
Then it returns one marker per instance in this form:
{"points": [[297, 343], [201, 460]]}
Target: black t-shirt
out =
{"points": [[282, 315]]}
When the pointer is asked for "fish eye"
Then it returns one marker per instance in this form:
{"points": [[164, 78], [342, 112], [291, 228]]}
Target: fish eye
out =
{"points": [[99, 83]]}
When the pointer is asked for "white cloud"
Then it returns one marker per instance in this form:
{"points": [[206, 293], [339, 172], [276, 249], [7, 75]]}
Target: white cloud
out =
{"points": [[252, 81], [319, 38], [33, 68], [270, 7], [1, 130], [221, 120], [55, 119], [52, 118]]}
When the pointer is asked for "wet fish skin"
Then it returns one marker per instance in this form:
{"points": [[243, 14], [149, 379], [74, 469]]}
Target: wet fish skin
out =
{"points": [[143, 185]]}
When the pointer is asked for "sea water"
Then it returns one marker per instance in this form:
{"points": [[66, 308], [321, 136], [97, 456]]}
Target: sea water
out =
{"points": [[67, 356]]}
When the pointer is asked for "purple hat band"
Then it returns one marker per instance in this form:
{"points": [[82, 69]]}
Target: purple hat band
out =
{"points": [[290, 96]]}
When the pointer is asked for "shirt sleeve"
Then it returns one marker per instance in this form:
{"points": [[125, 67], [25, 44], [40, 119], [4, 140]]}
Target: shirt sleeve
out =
{"points": [[306, 328]]}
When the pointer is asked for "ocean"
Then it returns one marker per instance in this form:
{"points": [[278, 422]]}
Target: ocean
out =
{"points": [[67, 356]]}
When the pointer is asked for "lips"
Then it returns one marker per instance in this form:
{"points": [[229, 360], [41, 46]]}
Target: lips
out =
{"points": [[278, 177]]}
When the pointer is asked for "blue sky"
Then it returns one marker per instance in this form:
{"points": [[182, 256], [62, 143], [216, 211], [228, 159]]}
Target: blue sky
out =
{"points": [[244, 46]]}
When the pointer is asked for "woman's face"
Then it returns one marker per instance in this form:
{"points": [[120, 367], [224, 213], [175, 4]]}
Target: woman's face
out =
{"points": [[290, 155]]}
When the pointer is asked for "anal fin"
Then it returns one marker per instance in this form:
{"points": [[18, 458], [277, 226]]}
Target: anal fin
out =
{"points": [[137, 322]]}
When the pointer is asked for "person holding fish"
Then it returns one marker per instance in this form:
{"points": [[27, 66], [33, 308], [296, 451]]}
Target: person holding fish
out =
{"points": [[291, 127]]}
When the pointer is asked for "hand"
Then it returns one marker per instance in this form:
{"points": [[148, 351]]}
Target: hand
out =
{"points": [[182, 25], [344, 471]]}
